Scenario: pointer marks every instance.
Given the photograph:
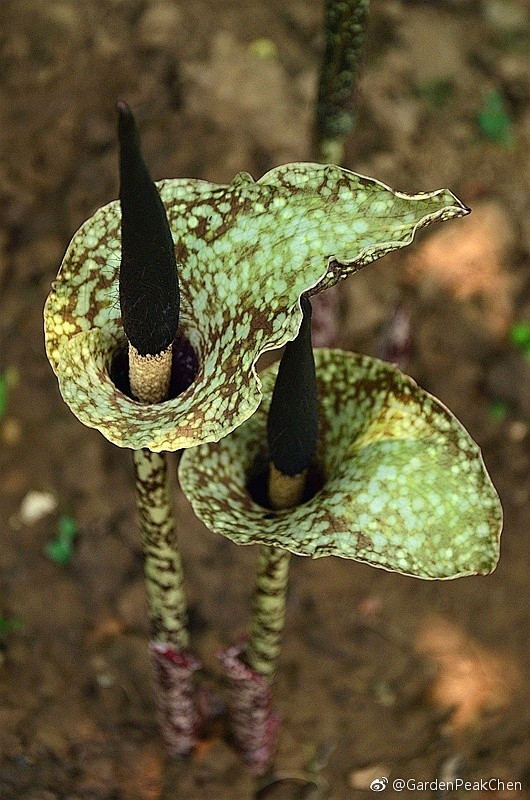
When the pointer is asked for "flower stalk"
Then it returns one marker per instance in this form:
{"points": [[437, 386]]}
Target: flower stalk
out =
{"points": [[335, 117], [268, 611], [345, 27], [149, 302], [163, 564], [292, 432]]}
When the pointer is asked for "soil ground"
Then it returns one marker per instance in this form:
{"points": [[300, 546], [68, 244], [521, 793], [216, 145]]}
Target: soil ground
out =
{"points": [[76, 712]]}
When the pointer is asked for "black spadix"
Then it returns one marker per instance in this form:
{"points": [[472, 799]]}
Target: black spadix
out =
{"points": [[149, 291], [292, 425]]}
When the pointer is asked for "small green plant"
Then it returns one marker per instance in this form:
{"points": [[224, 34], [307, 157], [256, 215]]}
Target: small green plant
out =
{"points": [[493, 120], [9, 379], [3, 396], [520, 337], [60, 549], [9, 625], [498, 410]]}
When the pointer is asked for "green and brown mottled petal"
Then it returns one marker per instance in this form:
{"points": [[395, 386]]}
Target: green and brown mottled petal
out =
{"points": [[246, 252], [405, 487]]}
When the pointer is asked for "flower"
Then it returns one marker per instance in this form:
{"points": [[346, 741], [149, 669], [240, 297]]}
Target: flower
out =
{"points": [[245, 254], [404, 485]]}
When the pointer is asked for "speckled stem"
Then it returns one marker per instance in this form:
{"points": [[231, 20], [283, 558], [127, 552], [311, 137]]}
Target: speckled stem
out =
{"points": [[253, 720], [251, 667], [163, 565], [268, 611], [268, 604], [345, 26], [173, 666]]}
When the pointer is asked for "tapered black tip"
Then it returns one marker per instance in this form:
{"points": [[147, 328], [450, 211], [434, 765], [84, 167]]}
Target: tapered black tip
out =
{"points": [[292, 425], [149, 292]]}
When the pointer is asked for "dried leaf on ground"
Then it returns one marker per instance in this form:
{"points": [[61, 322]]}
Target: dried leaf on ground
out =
{"points": [[143, 776], [470, 679], [471, 261]]}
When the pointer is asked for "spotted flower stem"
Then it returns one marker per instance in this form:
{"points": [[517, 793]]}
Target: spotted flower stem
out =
{"points": [[345, 27], [150, 306], [172, 664], [268, 611], [269, 600], [163, 565], [292, 432], [164, 575], [255, 722], [251, 668]]}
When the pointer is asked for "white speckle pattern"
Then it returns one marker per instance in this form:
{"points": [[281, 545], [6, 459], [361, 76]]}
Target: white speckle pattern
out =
{"points": [[246, 252], [405, 486]]}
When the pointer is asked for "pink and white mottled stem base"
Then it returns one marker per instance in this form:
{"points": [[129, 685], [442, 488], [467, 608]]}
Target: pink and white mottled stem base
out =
{"points": [[254, 721], [178, 717]]}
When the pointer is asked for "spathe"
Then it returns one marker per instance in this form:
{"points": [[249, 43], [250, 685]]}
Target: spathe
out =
{"points": [[246, 253], [405, 487]]}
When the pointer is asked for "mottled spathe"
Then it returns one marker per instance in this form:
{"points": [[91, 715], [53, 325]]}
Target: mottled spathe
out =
{"points": [[246, 252], [405, 486]]}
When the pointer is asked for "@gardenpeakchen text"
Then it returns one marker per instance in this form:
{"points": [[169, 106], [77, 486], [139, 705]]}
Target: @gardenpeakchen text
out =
{"points": [[413, 785]]}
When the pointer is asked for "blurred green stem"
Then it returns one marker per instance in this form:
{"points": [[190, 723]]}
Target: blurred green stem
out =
{"points": [[345, 26]]}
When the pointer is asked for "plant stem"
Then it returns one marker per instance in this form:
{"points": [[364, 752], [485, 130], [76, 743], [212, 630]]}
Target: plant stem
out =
{"points": [[345, 26], [251, 667], [292, 435], [149, 377], [163, 564], [173, 666], [268, 604], [268, 611]]}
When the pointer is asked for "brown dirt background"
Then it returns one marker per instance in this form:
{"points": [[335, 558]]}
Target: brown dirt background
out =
{"points": [[76, 712]]}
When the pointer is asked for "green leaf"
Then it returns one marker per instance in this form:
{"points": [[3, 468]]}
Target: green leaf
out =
{"points": [[246, 253], [493, 120], [405, 486], [67, 527], [61, 548]]}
